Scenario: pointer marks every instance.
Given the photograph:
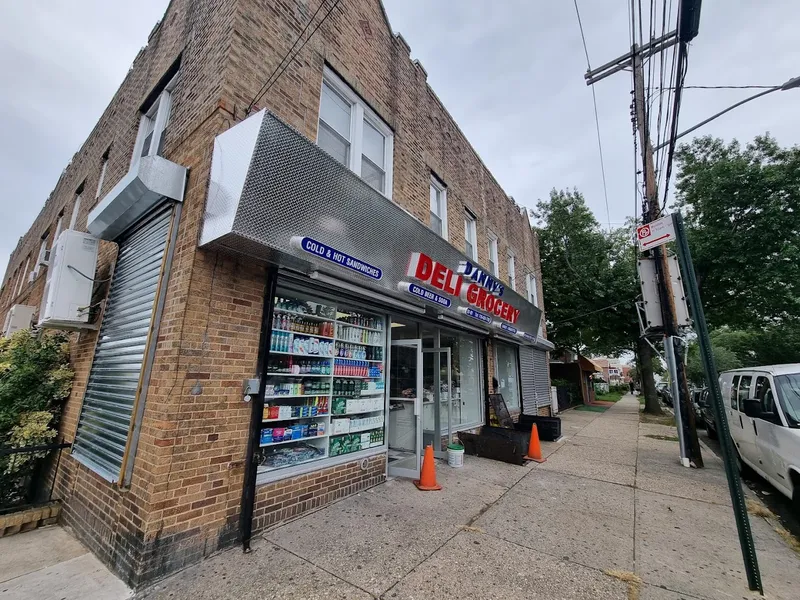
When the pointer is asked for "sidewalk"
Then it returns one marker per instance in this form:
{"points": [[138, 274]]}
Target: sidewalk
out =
{"points": [[609, 499], [610, 515]]}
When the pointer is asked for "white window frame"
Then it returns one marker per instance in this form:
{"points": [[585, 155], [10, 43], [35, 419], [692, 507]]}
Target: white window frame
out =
{"points": [[512, 270], [40, 259], [471, 231], [441, 190], [359, 112], [76, 208], [533, 292], [59, 225], [158, 114], [102, 178], [22, 276], [491, 247]]}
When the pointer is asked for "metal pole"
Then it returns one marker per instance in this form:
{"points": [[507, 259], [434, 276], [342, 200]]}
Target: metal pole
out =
{"points": [[712, 381], [669, 350], [257, 413]]}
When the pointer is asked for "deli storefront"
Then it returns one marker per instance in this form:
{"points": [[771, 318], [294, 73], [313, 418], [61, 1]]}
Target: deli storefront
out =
{"points": [[379, 337]]}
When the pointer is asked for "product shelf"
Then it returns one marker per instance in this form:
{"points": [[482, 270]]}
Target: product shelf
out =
{"points": [[278, 396], [305, 439], [357, 344], [304, 315], [303, 334], [356, 377], [361, 359], [299, 375], [302, 462], [357, 412], [303, 354], [345, 324], [296, 419]]}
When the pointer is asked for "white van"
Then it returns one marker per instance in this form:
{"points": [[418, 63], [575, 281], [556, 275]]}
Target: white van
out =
{"points": [[763, 409]]}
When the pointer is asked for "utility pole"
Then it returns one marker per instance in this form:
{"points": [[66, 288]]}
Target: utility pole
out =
{"points": [[685, 417]]}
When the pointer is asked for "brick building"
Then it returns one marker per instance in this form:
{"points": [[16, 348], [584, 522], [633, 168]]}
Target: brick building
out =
{"points": [[323, 234]]}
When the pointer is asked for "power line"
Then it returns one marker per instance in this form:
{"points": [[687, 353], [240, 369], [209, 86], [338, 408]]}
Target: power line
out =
{"points": [[596, 117], [728, 87], [594, 311], [278, 69]]}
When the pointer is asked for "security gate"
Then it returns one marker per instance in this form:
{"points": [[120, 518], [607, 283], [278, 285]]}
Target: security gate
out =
{"points": [[115, 381]]}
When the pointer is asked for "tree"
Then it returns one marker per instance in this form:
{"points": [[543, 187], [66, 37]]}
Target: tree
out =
{"points": [[588, 276], [742, 216], [724, 359], [590, 280]]}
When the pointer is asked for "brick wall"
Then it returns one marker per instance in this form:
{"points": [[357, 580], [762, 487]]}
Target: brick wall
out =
{"points": [[182, 501]]}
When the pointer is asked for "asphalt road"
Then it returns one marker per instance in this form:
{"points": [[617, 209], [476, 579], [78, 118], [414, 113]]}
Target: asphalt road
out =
{"points": [[775, 501]]}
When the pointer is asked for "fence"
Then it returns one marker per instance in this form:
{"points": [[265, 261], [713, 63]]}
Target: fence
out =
{"points": [[23, 475]]}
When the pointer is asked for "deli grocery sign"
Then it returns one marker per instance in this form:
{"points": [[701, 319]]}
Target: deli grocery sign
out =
{"points": [[475, 287]]}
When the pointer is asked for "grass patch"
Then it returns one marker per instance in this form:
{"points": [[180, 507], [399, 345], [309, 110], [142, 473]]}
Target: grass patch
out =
{"points": [[634, 582], [665, 419], [793, 542], [641, 400], [590, 408], [609, 397], [757, 509], [663, 438]]}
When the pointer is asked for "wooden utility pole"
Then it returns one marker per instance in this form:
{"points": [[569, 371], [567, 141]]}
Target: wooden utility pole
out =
{"points": [[669, 312]]}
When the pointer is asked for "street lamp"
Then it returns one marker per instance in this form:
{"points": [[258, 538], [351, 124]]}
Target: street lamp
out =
{"points": [[792, 83]]}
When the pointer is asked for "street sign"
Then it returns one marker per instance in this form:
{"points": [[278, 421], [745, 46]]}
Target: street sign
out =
{"points": [[655, 233]]}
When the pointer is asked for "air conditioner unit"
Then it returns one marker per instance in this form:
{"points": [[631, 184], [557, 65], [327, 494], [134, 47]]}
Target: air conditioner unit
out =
{"points": [[44, 261], [70, 278], [32, 276], [19, 317]]}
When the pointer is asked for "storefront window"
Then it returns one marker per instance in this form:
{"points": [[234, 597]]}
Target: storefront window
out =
{"points": [[466, 381], [325, 382], [507, 369]]}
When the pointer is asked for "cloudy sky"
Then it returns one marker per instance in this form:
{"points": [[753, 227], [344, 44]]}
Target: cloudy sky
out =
{"points": [[511, 73]]}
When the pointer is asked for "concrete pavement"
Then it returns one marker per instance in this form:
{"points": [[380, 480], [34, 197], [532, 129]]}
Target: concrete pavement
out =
{"points": [[610, 514]]}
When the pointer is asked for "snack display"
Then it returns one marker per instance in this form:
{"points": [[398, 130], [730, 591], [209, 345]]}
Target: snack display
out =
{"points": [[324, 361]]}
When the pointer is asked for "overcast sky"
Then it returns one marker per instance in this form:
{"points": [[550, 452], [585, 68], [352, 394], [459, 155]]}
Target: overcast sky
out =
{"points": [[510, 73]]}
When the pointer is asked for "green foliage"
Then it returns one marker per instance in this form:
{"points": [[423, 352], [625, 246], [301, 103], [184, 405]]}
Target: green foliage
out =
{"points": [[741, 210], [584, 272], [34, 429], [724, 358], [34, 376]]}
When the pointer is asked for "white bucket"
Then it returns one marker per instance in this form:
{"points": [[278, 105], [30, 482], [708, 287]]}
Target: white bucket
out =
{"points": [[455, 457]]}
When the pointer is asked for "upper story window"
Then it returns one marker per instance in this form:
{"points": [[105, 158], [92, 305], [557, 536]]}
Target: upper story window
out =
{"points": [[438, 207], [492, 248], [353, 134], [470, 235], [76, 208], [533, 294], [103, 168], [153, 125], [512, 271]]}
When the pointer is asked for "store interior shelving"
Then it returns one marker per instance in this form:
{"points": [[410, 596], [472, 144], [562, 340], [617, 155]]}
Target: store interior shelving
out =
{"points": [[325, 383]]}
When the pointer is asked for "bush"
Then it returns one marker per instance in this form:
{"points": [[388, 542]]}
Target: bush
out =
{"points": [[35, 376]]}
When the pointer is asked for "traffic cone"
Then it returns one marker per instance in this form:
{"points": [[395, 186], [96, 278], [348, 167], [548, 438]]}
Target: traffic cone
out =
{"points": [[427, 481], [534, 448]]}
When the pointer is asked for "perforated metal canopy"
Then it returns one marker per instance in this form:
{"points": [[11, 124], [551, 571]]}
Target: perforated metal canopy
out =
{"points": [[269, 184]]}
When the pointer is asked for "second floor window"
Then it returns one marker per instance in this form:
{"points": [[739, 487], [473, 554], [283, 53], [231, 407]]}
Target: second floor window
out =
{"points": [[533, 295], [354, 134], [102, 178], [470, 234], [438, 207], [492, 247], [153, 126], [512, 272]]}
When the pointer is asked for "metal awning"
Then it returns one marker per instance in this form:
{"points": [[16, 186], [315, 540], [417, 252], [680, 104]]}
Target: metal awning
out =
{"points": [[152, 180]]}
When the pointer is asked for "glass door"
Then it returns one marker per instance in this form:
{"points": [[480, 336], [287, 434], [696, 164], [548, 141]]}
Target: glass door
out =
{"points": [[405, 408], [437, 415]]}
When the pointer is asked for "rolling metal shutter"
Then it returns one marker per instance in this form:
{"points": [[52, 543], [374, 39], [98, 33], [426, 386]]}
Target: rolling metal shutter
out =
{"points": [[541, 374], [114, 380], [527, 366]]}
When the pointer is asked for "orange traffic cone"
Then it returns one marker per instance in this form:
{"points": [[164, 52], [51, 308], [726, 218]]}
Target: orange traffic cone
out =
{"points": [[534, 448], [427, 481]]}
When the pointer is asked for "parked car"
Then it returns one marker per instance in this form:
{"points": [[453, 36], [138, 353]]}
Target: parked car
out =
{"points": [[706, 414], [696, 394], [762, 406], [662, 389]]}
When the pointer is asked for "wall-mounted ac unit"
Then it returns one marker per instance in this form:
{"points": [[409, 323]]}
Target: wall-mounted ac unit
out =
{"points": [[18, 317], [70, 277]]}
